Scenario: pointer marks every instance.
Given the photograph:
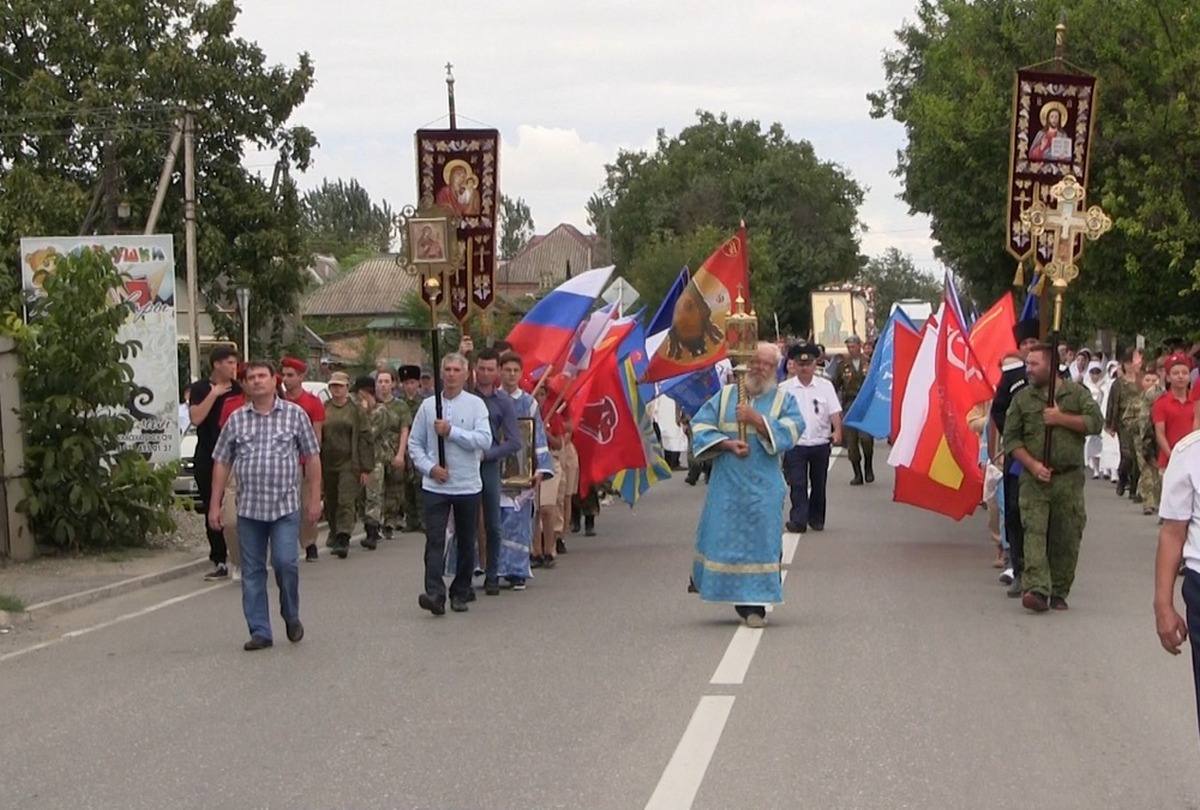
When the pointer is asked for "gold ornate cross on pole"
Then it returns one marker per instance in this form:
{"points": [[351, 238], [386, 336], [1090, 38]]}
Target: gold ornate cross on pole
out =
{"points": [[1065, 221]]}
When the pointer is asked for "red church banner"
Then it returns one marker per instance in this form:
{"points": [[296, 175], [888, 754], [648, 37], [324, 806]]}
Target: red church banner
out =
{"points": [[457, 169], [1053, 119]]}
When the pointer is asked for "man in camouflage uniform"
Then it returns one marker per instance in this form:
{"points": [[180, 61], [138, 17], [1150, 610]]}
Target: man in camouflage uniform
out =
{"points": [[390, 420], [410, 479], [1121, 420], [347, 458], [848, 380], [1053, 514], [1150, 477]]}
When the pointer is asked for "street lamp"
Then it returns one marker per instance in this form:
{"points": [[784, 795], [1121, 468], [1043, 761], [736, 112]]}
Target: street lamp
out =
{"points": [[243, 300]]}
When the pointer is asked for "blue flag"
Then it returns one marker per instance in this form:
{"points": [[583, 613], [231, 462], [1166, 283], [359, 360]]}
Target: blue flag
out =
{"points": [[662, 319], [691, 391], [1030, 310], [871, 411]]}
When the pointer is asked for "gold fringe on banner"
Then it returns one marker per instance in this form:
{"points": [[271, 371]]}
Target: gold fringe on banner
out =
{"points": [[1019, 278]]}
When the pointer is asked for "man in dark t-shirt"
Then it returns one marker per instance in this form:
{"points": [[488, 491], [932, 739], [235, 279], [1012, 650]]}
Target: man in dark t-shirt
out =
{"points": [[207, 399], [1012, 380]]}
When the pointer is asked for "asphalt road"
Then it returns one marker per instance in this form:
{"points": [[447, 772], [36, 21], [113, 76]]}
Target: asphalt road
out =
{"points": [[896, 676]]}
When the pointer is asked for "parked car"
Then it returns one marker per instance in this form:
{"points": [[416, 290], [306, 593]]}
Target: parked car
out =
{"points": [[185, 481], [321, 389]]}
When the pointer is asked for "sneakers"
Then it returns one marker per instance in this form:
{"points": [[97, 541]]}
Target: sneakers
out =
{"points": [[310, 553], [518, 584], [235, 573], [435, 606], [560, 547], [1014, 588], [257, 643], [221, 571], [1032, 600], [536, 562], [295, 631], [1006, 576]]}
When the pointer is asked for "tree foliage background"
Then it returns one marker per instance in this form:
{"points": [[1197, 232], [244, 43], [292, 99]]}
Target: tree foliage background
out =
{"points": [[950, 82], [679, 202], [895, 277], [75, 75], [516, 225], [341, 220]]}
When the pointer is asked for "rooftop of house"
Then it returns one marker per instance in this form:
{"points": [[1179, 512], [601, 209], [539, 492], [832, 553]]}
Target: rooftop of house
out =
{"points": [[376, 286], [546, 259]]}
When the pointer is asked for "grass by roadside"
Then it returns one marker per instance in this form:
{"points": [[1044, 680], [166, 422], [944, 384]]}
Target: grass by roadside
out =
{"points": [[11, 604]]}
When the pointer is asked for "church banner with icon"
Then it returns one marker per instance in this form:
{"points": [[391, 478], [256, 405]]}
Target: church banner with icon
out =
{"points": [[457, 170], [1053, 120], [148, 266]]}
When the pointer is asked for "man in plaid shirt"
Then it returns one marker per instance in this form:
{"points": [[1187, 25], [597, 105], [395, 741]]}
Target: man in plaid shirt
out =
{"points": [[263, 442]]}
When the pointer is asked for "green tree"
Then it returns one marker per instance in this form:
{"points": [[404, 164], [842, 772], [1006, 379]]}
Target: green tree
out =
{"points": [[75, 76], [719, 171], [83, 491], [895, 277], [950, 84], [516, 225], [341, 220]]}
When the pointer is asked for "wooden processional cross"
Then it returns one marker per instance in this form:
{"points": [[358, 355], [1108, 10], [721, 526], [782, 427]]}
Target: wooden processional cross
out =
{"points": [[1065, 221]]}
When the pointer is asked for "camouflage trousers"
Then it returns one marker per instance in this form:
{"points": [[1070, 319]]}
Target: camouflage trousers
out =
{"points": [[340, 490], [1149, 484], [1053, 516], [383, 496], [410, 500], [859, 446]]}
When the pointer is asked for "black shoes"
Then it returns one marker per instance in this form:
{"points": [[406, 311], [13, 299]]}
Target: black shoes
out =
{"points": [[341, 545], [458, 604], [574, 524], [491, 588], [869, 475], [535, 562], [548, 562], [798, 528], [857, 480], [310, 553], [818, 528], [435, 606], [371, 541], [389, 532], [589, 525], [221, 571], [560, 547], [257, 643], [295, 631]]}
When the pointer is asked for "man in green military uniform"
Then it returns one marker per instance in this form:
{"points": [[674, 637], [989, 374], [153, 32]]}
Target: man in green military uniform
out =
{"points": [[1150, 476], [347, 458], [410, 479], [1120, 420], [1051, 495], [848, 380], [390, 421]]}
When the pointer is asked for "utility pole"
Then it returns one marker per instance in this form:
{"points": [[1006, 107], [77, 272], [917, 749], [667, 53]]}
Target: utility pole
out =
{"points": [[109, 158], [189, 232], [164, 179]]}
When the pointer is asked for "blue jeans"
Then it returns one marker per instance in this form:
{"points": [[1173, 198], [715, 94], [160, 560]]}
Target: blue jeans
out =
{"points": [[489, 471], [283, 536]]}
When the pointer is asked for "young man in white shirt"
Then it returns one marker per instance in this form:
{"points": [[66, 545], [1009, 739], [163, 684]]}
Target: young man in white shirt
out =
{"points": [[806, 466]]}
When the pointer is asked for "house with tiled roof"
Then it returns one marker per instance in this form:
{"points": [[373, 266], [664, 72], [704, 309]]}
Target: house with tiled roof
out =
{"points": [[545, 262], [362, 309]]}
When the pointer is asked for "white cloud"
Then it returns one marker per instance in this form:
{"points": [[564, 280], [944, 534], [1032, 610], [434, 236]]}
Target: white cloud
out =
{"points": [[570, 84]]}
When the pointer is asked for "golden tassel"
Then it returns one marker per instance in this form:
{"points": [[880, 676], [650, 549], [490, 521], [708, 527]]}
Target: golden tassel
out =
{"points": [[1037, 288], [1019, 278]]}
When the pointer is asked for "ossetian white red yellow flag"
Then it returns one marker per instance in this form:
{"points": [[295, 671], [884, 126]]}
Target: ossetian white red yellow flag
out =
{"points": [[935, 453]]}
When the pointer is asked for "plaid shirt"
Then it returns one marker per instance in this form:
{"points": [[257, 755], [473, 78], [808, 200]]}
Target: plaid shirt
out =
{"points": [[264, 450]]}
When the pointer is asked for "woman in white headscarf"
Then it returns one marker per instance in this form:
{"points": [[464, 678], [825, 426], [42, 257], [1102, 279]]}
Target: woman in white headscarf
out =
{"points": [[1110, 445], [1097, 386]]}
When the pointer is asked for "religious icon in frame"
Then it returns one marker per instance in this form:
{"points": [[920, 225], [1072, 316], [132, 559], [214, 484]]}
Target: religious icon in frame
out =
{"points": [[429, 238], [517, 471]]}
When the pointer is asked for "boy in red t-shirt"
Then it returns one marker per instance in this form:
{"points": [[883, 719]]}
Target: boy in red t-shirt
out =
{"points": [[1173, 413]]}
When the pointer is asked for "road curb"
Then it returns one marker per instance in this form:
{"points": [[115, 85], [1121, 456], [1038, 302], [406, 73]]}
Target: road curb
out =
{"points": [[74, 601], [10, 619]]}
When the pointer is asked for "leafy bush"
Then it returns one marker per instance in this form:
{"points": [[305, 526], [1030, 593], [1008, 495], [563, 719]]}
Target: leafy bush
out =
{"points": [[83, 490]]}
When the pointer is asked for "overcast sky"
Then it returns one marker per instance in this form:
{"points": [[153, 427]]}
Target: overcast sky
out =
{"points": [[569, 84]]}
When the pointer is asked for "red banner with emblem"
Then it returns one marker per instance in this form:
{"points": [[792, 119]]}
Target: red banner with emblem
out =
{"points": [[1053, 118], [458, 169]]}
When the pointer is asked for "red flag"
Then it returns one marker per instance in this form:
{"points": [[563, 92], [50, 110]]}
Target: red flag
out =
{"points": [[905, 344], [607, 437], [992, 337], [696, 339]]}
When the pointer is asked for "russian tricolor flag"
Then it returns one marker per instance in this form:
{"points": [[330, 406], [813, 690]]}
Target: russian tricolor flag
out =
{"points": [[542, 336]]}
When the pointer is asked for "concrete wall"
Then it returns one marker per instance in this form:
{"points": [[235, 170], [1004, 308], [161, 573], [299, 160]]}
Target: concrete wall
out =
{"points": [[16, 541]]}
